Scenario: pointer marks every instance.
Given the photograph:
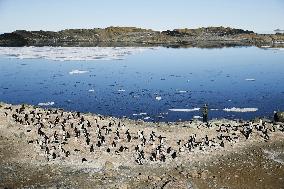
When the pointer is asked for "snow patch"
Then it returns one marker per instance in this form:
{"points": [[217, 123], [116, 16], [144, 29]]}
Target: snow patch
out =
{"points": [[274, 156]]}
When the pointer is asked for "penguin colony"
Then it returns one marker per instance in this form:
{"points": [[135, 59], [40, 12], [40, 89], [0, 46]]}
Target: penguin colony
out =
{"points": [[58, 135]]}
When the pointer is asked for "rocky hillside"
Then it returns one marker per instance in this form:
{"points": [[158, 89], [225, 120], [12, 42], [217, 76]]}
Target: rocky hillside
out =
{"points": [[131, 36]]}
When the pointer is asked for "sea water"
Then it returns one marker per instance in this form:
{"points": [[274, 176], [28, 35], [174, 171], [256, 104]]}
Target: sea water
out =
{"points": [[152, 84]]}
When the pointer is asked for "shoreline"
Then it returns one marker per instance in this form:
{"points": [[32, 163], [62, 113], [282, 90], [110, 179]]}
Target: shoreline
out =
{"points": [[157, 123], [190, 146]]}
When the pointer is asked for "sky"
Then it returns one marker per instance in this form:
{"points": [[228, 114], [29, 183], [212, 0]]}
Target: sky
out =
{"points": [[262, 16]]}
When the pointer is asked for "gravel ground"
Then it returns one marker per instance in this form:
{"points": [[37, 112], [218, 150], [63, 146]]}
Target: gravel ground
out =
{"points": [[242, 163]]}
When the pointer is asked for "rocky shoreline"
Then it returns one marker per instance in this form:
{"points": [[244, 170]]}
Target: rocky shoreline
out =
{"points": [[71, 150], [210, 37]]}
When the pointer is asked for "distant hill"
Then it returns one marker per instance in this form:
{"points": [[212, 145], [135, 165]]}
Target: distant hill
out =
{"points": [[279, 31], [131, 36]]}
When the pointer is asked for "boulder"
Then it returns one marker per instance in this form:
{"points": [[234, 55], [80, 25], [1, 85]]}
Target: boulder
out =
{"points": [[279, 117], [108, 165]]}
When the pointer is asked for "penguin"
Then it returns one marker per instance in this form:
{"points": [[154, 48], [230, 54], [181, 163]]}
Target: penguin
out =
{"points": [[53, 155], [99, 144], [117, 134], [67, 153], [143, 141], [161, 139], [113, 144], [174, 155], [163, 158], [137, 148], [222, 144], [151, 137], [169, 150], [92, 148], [153, 156], [88, 140], [121, 149]]}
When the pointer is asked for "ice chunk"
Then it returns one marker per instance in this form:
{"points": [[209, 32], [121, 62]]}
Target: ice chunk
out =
{"points": [[158, 98], [184, 110], [70, 53], [46, 103], [182, 91], [91, 90], [121, 90], [140, 114], [143, 113], [240, 109], [197, 117], [78, 72], [250, 79]]}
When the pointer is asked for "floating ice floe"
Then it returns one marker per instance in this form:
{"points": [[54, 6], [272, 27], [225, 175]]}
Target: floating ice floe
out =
{"points": [[146, 118], [78, 72], [70, 53], [214, 109], [121, 90], [197, 117], [182, 91], [91, 90], [184, 110], [250, 79], [46, 103], [158, 98], [240, 109], [265, 46], [143, 113], [140, 114]]}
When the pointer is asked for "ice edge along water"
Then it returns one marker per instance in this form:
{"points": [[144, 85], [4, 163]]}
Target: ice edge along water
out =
{"points": [[71, 53]]}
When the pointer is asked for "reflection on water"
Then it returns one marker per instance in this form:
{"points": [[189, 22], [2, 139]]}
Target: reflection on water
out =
{"points": [[156, 85]]}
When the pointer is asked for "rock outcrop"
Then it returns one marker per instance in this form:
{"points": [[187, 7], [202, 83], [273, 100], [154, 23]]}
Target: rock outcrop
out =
{"points": [[279, 117]]}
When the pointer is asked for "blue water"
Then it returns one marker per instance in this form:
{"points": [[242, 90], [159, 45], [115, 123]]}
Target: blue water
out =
{"points": [[213, 76]]}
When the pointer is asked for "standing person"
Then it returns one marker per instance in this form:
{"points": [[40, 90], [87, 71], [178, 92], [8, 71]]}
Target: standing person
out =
{"points": [[205, 113]]}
